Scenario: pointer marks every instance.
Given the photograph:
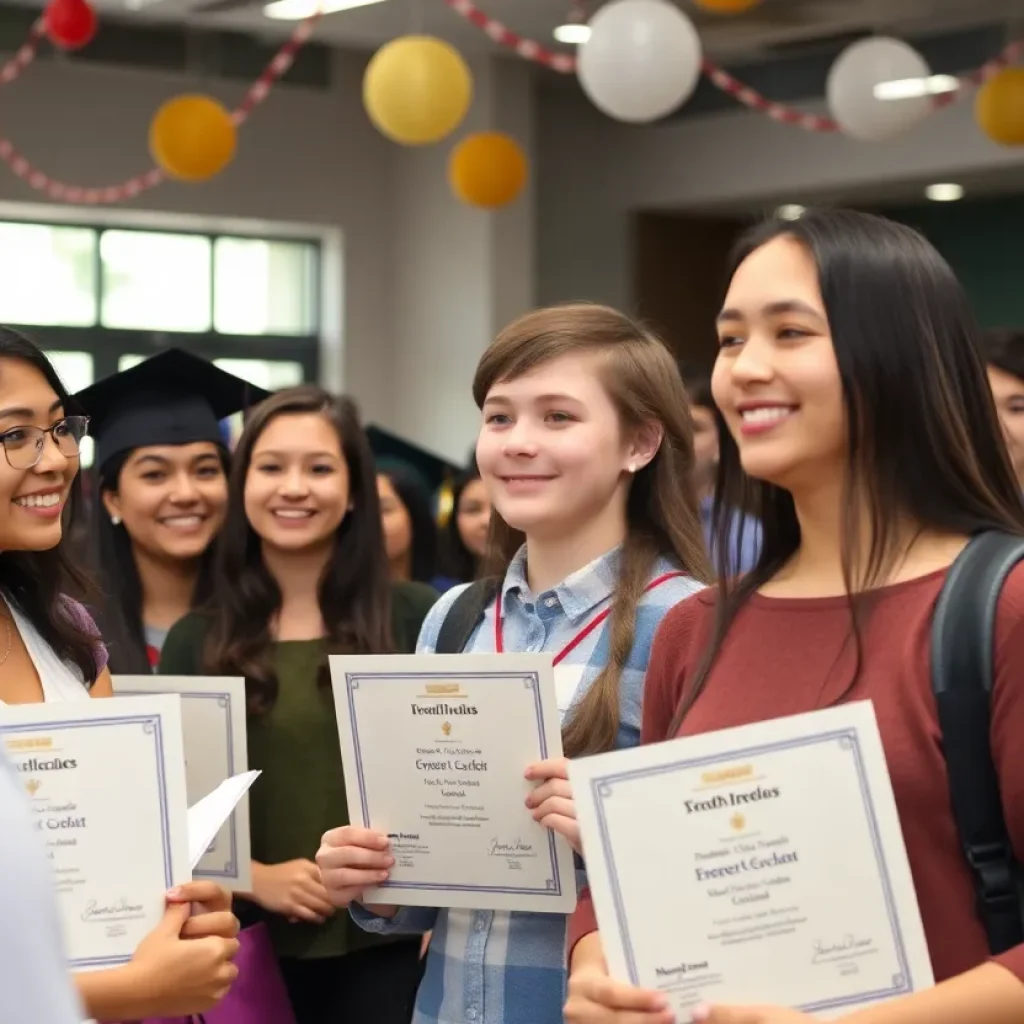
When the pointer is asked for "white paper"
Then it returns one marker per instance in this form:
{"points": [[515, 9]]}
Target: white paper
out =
{"points": [[435, 748], [757, 865], [213, 721], [206, 818], [106, 782]]}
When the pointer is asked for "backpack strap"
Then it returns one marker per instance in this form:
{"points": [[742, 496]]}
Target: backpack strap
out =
{"points": [[962, 643], [465, 615]]}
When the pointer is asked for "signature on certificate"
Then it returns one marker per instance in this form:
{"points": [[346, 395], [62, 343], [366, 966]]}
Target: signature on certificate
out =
{"points": [[118, 908], [836, 949], [511, 848]]}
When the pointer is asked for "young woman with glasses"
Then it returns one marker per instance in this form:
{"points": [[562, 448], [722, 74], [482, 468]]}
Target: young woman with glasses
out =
{"points": [[50, 651]]}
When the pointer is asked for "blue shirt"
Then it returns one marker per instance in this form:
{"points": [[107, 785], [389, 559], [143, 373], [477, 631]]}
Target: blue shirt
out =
{"points": [[500, 967], [744, 539]]}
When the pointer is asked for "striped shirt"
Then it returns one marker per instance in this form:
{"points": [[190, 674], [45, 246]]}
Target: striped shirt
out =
{"points": [[500, 967]]}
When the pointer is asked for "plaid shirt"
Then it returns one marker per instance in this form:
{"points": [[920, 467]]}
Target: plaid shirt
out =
{"points": [[500, 967]]}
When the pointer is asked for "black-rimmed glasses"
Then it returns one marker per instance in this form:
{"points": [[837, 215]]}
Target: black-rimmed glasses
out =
{"points": [[23, 446]]}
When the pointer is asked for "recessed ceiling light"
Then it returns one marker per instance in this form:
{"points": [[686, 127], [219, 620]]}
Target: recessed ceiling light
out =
{"points": [[573, 33], [911, 88], [790, 211], [944, 192], [297, 10]]}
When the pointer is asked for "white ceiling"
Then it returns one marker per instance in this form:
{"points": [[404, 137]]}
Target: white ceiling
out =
{"points": [[772, 23]]}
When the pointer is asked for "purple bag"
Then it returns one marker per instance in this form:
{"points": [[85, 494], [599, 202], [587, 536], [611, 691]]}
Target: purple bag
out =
{"points": [[258, 995]]}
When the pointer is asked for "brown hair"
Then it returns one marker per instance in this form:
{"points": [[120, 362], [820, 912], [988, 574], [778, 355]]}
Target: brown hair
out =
{"points": [[923, 440], [662, 514], [353, 593]]}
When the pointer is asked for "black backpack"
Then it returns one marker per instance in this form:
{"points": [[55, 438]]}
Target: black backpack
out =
{"points": [[963, 630]]}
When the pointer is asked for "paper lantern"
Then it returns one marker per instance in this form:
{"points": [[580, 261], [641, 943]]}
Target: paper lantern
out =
{"points": [[417, 90], [727, 6], [999, 107], [487, 169], [642, 59], [851, 83], [69, 24], [192, 138]]}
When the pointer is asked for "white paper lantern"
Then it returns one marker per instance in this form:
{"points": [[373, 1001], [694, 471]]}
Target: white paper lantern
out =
{"points": [[642, 60], [852, 81]]}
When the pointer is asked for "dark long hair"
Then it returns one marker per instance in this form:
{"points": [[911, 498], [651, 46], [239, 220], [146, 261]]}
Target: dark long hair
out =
{"points": [[413, 494], [35, 582], [662, 516], [354, 591], [923, 441], [456, 560], [118, 576]]}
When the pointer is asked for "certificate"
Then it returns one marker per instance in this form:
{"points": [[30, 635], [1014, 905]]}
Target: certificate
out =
{"points": [[763, 864], [434, 749], [213, 717], [106, 781]]}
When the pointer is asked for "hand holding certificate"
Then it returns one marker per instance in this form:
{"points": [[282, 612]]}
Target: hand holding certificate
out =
{"points": [[763, 864], [106, 780], [434, 750]]}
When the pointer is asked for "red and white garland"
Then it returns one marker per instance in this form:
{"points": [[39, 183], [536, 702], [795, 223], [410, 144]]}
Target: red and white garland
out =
{"points": [[60, 191], [531, 50]]}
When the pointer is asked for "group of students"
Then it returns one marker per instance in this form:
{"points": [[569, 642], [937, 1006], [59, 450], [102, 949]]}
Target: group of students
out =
{"points": [[855, 425]]}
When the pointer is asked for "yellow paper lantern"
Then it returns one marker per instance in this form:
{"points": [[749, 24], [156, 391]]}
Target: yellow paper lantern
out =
{"points": [[487, 169], [727, 6], [417, 90], [192, 138], [999, 107]]}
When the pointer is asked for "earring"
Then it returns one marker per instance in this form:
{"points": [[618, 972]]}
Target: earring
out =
{"points": [[632, 467], [115, 520]]}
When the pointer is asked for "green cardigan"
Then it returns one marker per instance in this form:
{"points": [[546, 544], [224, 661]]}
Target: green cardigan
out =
{"points": [[301, 793]]}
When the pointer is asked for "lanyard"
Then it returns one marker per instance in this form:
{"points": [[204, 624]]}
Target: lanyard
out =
{"points": [[499, 641]]}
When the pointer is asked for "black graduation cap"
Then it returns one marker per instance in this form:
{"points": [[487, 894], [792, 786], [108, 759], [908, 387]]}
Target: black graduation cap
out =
{"points": [[389, 448], [171, 398]]}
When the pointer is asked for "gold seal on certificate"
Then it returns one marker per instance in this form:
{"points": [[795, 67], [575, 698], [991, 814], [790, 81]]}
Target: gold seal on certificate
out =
{"points": [[106, 782], [762, 864], [434, 749]]}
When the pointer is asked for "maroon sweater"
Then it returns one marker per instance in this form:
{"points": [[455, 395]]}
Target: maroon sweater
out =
{"points": [[783, 656]]}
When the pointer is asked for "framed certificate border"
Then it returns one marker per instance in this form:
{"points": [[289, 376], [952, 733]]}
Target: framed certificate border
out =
{"points": [[233, 869], [353, 681], [152, 725], [605, 787]]}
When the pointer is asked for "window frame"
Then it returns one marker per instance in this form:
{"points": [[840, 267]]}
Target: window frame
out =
{"points": [[107, 344]]}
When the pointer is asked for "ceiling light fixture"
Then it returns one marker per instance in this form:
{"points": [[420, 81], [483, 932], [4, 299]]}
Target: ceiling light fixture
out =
{"points": [[790, 211], [572, 33], [298, 10], [912, 88], [944, 192]]}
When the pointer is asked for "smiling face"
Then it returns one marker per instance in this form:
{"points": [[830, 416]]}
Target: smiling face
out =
{"points": [[552, 451], [1008, 393], [31, 500], [297, 483], [776, 379], [171, 499]]}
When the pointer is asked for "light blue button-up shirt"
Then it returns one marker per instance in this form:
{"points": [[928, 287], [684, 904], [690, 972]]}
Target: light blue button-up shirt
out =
{"points": [[500, 967]]}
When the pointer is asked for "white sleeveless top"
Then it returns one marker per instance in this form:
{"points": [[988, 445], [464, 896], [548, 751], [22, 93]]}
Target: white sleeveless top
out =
{"points": [[59, 680]]}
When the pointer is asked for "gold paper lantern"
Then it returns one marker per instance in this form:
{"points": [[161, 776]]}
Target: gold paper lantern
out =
{"points": [[488, 169], [727, 6], [417, 90], [192, 138], [999, 107]]}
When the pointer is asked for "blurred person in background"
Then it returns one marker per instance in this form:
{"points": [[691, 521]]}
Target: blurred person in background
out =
{"points": [[464, 536], [1004, 356], [744, 535]]}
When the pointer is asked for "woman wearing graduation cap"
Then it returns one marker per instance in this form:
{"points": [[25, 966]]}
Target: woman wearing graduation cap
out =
{"points": [[161, 462]]}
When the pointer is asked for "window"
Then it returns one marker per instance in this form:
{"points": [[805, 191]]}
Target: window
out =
{"points": [[49, 275], [99, 299], [155, 281]]}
